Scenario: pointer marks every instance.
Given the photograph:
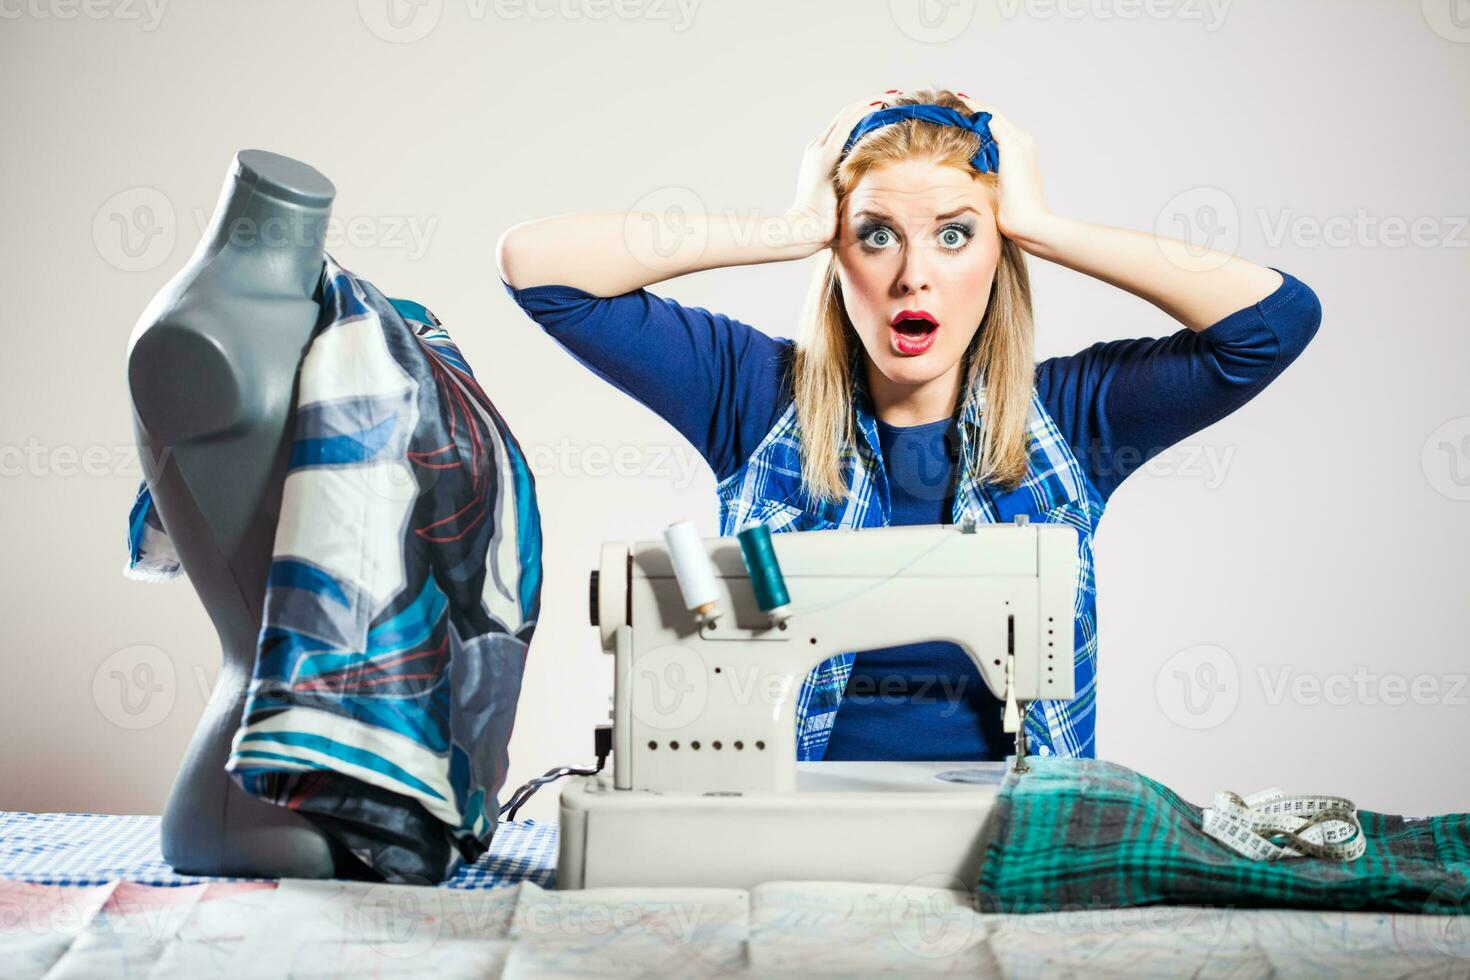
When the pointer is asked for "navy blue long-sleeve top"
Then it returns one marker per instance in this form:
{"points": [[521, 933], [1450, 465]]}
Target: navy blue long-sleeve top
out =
{"points": [[723, 384]]}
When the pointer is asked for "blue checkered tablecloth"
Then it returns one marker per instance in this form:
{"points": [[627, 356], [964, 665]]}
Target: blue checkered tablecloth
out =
{"points": [[96, 848]]}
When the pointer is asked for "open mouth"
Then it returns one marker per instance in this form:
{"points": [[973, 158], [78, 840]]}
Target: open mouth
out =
{"points": [[912, 332]]}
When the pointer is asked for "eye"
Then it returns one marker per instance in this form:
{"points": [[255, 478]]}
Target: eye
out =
{"points": [[875, 236], [955, 237]]}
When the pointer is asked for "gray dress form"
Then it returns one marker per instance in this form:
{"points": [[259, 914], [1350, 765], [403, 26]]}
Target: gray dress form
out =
{"points": [[212, 368]]}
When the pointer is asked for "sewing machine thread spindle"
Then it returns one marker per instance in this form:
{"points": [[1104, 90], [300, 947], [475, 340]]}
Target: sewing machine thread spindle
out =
{"points": [[765, 572], [693, 570]]}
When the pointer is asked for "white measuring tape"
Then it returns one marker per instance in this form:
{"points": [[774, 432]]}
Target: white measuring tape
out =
{"points": [[1271, 825]]}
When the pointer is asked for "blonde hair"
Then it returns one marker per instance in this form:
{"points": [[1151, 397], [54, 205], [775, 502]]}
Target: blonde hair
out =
{"points": [[1000, 358]]}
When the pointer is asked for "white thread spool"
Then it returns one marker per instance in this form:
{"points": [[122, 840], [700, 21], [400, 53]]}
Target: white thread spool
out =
{"points": [[693, 570]]}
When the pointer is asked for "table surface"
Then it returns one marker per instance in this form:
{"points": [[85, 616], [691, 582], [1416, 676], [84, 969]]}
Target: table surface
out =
{"points": [[89, 895]]}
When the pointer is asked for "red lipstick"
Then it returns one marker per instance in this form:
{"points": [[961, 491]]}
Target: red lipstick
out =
{"points": [[912, 332]]}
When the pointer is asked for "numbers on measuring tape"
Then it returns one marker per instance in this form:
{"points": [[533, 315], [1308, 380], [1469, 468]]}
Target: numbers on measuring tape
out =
{"points": [[1271, 825]]}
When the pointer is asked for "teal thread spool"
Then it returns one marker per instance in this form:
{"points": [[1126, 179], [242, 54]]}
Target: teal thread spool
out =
{"points": [[765, 572]]}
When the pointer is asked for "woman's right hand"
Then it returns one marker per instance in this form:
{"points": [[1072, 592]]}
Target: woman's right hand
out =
{"points": [[813, 216]]}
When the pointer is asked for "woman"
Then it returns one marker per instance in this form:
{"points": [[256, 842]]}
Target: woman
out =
{"points": [[912, 395]]}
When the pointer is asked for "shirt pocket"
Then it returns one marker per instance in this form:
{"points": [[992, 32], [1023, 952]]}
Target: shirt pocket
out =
{"points": [[1053, 497], [781, 516], [784, 505]]}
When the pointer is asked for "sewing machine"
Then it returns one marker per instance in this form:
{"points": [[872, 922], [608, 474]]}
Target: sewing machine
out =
{"points": [[705, 788]]}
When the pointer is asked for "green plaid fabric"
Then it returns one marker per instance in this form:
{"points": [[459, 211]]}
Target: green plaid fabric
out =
{"points": [[1076, 834]]}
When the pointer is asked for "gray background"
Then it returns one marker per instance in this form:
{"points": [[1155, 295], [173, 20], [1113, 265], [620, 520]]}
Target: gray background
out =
{"points": [[1282, 598]]}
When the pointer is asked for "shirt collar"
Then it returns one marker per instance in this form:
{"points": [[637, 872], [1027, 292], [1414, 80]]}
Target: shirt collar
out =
{"points": [[971, 410]]}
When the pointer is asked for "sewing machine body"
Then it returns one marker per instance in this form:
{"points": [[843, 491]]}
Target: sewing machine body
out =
{"points": [[847, 821], [705, 787]]}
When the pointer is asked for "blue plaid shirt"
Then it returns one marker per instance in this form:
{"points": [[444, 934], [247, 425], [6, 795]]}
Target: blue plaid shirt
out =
{"points": [[768, 489]]}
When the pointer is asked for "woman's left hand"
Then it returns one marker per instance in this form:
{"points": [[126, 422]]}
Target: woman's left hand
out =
{"points": [[1021, 211]]}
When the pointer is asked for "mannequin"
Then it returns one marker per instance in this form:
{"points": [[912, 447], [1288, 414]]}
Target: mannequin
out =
{"points": [[211, 368]]}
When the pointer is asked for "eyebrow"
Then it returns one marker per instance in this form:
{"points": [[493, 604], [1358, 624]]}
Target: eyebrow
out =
{"points": [[874, 212]]}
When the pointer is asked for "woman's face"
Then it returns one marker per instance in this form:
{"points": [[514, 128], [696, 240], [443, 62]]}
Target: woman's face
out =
{"points": [[917, 238]]}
